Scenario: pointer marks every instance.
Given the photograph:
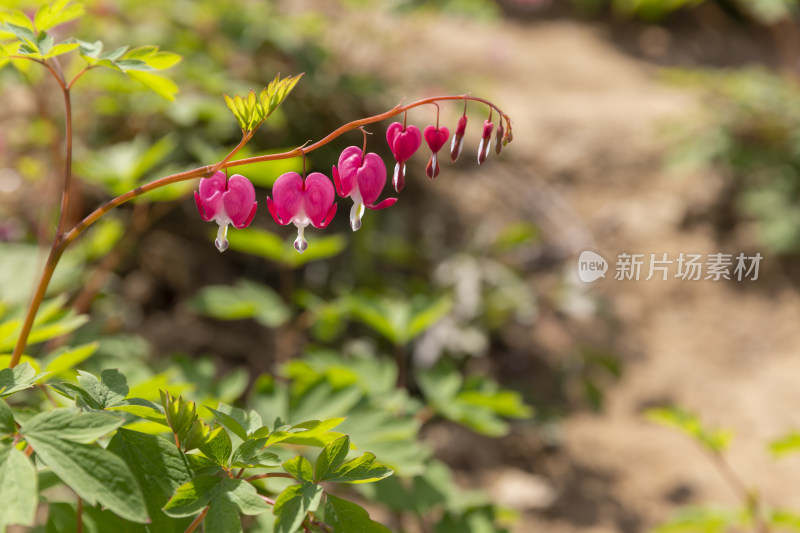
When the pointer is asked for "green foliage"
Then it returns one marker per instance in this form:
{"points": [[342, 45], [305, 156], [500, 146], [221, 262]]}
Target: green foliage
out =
{"points": [[475, 402], [715, 440], [398, 320], [18, 492], [746, 129], [245, 299], [269, 246], [251, 111]]}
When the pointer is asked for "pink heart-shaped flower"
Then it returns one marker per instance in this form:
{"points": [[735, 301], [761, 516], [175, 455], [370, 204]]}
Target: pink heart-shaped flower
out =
{"points": [[436, 137], [231, 201], [361, 178], [403, 141], [302, 202]]}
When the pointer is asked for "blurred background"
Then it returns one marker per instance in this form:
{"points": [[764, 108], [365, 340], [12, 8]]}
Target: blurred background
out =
{"points": [[640, 126]]}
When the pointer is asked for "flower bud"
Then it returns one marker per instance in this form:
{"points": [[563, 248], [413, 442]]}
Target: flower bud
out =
{"points": [[498, 138], [486, 141], [458, 138]]}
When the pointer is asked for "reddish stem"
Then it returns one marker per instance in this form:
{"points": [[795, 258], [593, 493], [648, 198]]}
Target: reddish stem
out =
{"points": [[271, 474], [61, 244], [197, 521]]}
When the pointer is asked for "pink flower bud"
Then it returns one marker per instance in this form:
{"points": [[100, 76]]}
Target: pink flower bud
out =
{"points": [[458, 138], [436, 139], [403, 142], [231, 201], [361, 178], [498, 138], [302, 203], [486, 141]]}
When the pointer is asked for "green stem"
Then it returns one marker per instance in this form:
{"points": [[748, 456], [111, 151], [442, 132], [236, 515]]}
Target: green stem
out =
{"points": [[60, 244]]}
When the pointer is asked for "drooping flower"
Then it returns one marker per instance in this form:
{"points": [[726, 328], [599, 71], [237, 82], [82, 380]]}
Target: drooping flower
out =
{"points": [[486, 141], [403, 142], [302, 203], [498, 138], [458, 138], [436, 138], [361, 177], [231, 201]]}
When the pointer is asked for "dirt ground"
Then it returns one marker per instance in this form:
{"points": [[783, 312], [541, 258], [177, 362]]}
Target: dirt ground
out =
{"points": [[585, 165]]}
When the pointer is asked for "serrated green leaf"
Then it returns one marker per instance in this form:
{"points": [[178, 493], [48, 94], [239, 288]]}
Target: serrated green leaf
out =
{"points": [[229, 423], [44, 43], [61, 11], [18, 491], [132, 65], [331, 457], [293, 504], [24, 34], [252, 454], [347, 517], [244, 496], [95, 474], [71, 424], [7, 424], [310, 433], [164, 87], [108, 391], [218, 447], [61, 49], [143, 409], [158, 466], [90, 50], [363, 469], [222, 517], [154, 57], [300, 468], [113, 55], [67, 358], [191, 497], [21, 377]]}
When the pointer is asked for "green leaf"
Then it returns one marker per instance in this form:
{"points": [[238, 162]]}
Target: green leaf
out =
{"points": [[222, 517], [252, 454], [164, 87], [363, 469], [270, 246], [347, 517], [61, 11], [310, 433], [704, 520], [331, 457], [191, 497], [108, 391], [132, 65], [90, 51], [423, 319], [21, 377], [244, 496], [245, 299], [96, 475], [61, 49], [715, 440], [300, 468], [7, 424], [24, 34], [113, 55], [71, 424], [67, 358], [153, 57], [786, 444], [293, 504], [218, 447], [158, 466], [18, 491], [229, 423]]}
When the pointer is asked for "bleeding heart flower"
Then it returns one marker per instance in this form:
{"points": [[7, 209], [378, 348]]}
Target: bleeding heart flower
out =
{"points": [[486, 141], [498, 138], [436, 138], [403, 141], [231, 201], [302, 203], [458, 138], [360, 177]]}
